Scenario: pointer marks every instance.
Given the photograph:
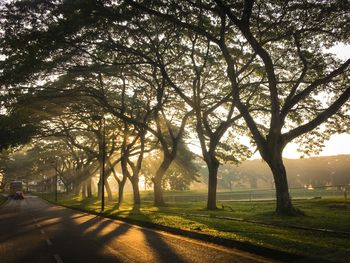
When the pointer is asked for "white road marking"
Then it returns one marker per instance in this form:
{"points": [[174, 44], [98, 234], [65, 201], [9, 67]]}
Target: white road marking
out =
{"points": [[48, 241], [58, 258]]}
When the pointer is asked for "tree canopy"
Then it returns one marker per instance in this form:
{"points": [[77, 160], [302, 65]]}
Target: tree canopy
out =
{"points": [[228, 68]]}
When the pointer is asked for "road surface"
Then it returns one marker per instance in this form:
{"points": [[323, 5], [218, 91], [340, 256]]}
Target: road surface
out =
{"points": [[32, 230]]}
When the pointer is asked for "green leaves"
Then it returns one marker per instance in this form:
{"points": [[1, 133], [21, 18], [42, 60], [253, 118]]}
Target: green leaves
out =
{"points": [[16, 129]]}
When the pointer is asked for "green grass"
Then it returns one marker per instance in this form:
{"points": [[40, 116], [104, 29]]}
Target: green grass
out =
{"points": [[2, 199], [331, 214], [242, 194]]}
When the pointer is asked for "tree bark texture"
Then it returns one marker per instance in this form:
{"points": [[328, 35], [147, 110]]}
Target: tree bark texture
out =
{"points": [[283, 200], [99, 188], [76, 188], [136, 191], [213, 167], [121, 185], [108, 190], [157, 182], [83, 192], [88, 188]]}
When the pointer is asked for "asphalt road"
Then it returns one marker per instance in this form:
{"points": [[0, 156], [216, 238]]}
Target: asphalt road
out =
{"points": [[33, 230]]}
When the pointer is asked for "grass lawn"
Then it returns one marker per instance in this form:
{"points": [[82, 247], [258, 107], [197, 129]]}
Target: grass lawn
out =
{"points": [[2, 199], [330, 214]]}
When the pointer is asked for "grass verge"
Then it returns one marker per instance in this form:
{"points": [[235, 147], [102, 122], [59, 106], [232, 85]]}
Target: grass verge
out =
{"points": [[327, 214], [2, 199]]}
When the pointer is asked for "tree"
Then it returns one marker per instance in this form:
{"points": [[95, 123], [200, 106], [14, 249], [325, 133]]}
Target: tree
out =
{"points": [[282, 58], [181, 173], [14, 132], [187, 65], [272, 53], [16, 127]]}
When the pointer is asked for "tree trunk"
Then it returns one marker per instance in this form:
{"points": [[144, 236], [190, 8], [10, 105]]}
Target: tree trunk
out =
{"points": [[77, 188], [158, 192], [52, 184], [121, 185], [88, 188], [99, 189], [83, 192], [284, 204], [109, 191], [213, 167], [136, 190], [157, 182]]}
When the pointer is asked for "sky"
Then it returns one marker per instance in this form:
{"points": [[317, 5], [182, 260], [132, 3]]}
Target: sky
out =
{"points": [[336, 145]]}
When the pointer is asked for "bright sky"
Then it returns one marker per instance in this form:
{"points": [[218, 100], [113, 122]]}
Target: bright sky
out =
{"points": [[341, 50], [338, 143]]}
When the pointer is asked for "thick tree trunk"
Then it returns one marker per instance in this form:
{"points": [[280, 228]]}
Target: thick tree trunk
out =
{"points": [[101, 166], [52, 184], [213, 167], [121, 190], [157, 182], [158, 192], [283, 201], [136, 191], [77, 188], [109, 191], [88, 188], [99, 189], [83, 192]]}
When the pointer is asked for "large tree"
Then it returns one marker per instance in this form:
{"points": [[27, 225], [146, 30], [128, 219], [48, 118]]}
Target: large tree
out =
{"points": [[273, 53], [78, 43], [283, 56]]}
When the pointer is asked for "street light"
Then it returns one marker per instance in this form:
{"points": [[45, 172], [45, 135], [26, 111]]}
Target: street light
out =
{"points": [[56, 182], [102, 123]]}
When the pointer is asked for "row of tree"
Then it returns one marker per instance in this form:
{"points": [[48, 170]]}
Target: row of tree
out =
{"points": [[320, 171], [72, 142], [217, 69]]}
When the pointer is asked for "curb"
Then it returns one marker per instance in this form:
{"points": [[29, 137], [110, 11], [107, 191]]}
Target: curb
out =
{"points": [[229, 243], [6, 200]]}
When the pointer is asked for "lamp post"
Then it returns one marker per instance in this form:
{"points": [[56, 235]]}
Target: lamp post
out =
{"points": [[56, 182], [102, 123]]}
